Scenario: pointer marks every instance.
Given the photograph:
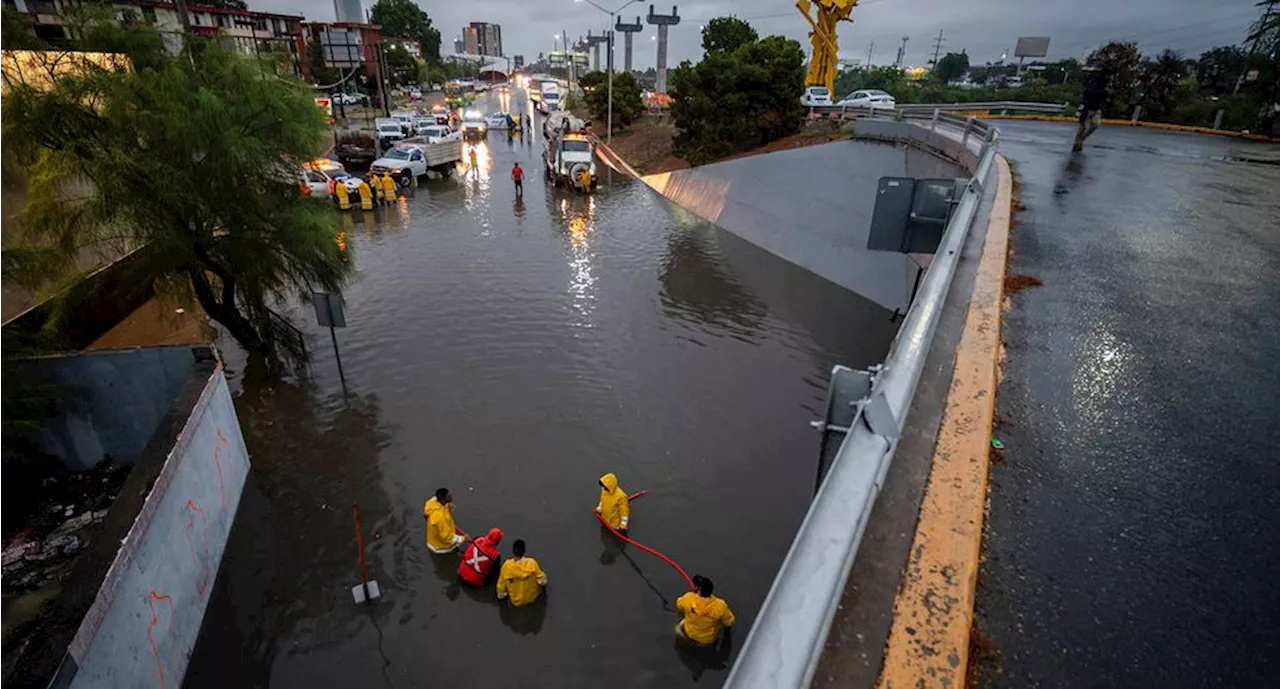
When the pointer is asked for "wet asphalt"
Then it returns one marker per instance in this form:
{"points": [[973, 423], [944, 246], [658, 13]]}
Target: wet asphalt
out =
{"points": [[1133, 537]]}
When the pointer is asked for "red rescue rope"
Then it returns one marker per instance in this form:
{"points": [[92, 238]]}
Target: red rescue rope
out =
{"points": [[647, 549]]}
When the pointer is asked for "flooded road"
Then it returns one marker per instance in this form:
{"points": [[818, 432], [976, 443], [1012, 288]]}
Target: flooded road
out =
{"points": [[513, 351]]}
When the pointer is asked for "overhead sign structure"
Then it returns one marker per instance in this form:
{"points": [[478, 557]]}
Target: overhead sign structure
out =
{"points": [[1032, 46]]}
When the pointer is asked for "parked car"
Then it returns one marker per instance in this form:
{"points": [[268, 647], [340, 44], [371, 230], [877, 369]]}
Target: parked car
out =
{"points": [[869, 98], [356, 148], [497, 120], [815, 95], [388, 131], [350, 98], [313, 183]]}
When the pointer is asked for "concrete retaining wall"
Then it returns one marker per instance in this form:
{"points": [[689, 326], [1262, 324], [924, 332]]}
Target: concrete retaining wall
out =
{"points": [[142, 625], [106, 402], [812, 206]]}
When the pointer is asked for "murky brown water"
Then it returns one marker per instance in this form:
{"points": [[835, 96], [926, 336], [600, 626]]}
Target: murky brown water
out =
{"points": [[514, 351]]}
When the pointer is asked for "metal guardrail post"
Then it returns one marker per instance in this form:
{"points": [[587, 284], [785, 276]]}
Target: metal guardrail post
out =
{"points": [[933, 126], [786, 642], [1137, 111], [968, 128]]}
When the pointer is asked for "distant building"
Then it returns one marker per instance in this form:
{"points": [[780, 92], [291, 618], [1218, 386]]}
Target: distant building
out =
{"points": [[250, 32], [348, 11], [482, 38], [517, 61], [459, 46], [347, 45], [413, 47]]}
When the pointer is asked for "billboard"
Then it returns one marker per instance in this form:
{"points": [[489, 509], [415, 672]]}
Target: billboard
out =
{"points": [[1032, 46]]}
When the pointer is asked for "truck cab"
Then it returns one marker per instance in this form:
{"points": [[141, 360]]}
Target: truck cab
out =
{"points": [[570, 155]]}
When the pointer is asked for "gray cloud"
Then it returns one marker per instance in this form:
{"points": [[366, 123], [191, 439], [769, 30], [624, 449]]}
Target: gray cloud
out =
{"points": [[982, 27]]}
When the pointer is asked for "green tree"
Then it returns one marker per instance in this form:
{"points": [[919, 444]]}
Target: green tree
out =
{"points": [[1161, 82], [952, 66], [737, 101], [889, 79], [1119, 60], [404, 19], [627, 104], [401, 67], [16, 32], [196, 159], [726, 34], [1218, 69]]}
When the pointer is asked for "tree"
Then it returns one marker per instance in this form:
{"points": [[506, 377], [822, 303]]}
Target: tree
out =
{"points": [[627, 103], [228, 4], [726, 34], [401, 67], [193, 158], [404, 19], [951, 67], [1119, 60], [16, 32], [737, 101], [1161, 81]]}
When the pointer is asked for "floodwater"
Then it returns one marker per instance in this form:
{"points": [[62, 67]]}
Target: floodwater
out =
{"points": [[513, 351]]}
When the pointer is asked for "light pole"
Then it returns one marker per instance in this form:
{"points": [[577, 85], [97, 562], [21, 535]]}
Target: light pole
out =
{"points": [[613, 16]]}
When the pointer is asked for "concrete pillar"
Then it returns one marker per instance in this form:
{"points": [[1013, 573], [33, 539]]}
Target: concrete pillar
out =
{"points": [[661, 85], [626, 55]]}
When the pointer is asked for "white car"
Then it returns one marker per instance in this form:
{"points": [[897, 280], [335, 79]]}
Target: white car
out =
{"points": [[815, 96], [435, 133], [869, 98], [348, 98]]}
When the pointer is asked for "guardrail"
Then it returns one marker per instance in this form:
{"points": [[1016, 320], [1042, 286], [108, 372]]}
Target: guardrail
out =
{"points": [[1003, 106], [785, 644]]}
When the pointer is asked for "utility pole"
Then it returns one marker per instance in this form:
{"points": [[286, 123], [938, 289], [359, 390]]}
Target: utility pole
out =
{"points": [[937, 48], [902, 50], [870, 51]]}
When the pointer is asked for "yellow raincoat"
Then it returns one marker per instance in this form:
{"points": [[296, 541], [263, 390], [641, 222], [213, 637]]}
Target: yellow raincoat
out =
{"points": [[521, 579], [388, 187], [442, 533], [704, 617], [366, 196], [613, 503]]}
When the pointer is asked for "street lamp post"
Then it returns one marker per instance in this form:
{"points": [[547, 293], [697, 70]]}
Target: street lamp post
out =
{"points": [[609, 54]]}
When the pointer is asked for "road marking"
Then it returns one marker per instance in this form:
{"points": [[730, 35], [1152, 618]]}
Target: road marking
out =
{"points": [[933, 612]]}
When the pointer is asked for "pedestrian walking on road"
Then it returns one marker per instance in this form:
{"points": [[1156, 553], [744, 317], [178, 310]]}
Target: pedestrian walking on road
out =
{"points": [[521, 579], [1095, 93], [517, 176], [443, 536], [475, 166], [705, 616]]}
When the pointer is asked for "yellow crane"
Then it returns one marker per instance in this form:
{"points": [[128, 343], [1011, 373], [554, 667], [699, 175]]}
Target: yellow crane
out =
{"points": [[822, 63]]}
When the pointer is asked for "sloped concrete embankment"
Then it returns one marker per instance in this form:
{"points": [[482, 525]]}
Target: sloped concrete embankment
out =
{"points": [[812, 206]]}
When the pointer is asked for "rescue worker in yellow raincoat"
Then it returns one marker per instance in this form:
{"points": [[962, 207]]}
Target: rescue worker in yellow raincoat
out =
{"points": [[521, 579], [388, 188], [613, 506], [705, 616], [443, 536], [344, 199], [366, 196]]}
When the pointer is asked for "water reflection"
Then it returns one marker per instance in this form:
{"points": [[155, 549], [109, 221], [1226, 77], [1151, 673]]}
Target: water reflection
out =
{"points": [[526, 619], [699, 659], [578, 213], [696, 287]]}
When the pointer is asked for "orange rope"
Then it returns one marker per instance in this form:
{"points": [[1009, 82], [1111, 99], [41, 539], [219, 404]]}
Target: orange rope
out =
{"points": [[647, 549]]}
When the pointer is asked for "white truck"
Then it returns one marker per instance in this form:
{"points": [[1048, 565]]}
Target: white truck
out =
{"points": [[569, 155], [549, 100], [416, 157]]}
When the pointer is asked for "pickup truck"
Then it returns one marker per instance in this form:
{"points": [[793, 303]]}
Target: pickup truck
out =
{"points": [[416, 156]]}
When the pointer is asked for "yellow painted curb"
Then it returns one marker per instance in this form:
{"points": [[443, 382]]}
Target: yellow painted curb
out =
{"points": [[1140, 123], [929, 641]]}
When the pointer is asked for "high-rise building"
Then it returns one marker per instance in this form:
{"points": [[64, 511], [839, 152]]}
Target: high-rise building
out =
{"points": [[459, 46], [482, 38], [470, 41], [349, 11]]}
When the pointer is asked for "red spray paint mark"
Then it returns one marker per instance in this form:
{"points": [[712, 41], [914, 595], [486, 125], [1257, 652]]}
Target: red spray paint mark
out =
{"points": [[155, 650], [203, 557], [217, 460]]}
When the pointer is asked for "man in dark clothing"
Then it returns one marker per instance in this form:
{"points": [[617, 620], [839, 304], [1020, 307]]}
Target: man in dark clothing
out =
{"points": [[1095, 92]]}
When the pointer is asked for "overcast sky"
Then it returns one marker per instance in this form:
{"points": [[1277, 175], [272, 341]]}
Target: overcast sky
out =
{"points": [[985, 28]]}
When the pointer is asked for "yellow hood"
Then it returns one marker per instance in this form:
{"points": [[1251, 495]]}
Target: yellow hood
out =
{"points": [[432, 506], [523, 568], [609, 481]]}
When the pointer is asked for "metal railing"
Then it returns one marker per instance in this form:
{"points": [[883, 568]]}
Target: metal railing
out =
{"points": [[786, 642], [1004, 106]]}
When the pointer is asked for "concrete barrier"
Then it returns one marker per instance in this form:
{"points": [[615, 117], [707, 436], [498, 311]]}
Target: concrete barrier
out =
{"points": [[812, 206], [130, 609]]}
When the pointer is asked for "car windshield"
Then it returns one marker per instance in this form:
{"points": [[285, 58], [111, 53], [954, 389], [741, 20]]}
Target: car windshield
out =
{"points": [[577, 146], [398, 154]]}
